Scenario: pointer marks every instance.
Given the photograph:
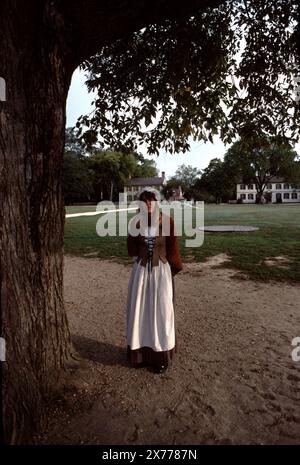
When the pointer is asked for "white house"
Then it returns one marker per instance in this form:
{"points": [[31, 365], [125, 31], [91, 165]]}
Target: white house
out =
{"points": [[276, 190], [134, 185]]}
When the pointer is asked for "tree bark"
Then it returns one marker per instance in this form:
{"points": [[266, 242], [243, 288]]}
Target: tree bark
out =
{"points": [[32, 123], [40, 48]]}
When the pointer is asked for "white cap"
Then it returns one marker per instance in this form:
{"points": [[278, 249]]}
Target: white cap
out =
{"points": [[151, 189]]}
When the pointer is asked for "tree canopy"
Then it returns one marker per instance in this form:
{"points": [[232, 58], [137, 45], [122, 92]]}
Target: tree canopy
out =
{"points": [[258, 158], [185, 176], [99, 175], [186, 78], [217, 181]]}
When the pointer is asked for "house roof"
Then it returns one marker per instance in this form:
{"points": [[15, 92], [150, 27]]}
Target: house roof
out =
{"points": [[269, 180], [150, 181]]}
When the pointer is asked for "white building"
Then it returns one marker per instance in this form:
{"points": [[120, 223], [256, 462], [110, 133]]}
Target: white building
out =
{"points": [[134, 185], [276, 190]]}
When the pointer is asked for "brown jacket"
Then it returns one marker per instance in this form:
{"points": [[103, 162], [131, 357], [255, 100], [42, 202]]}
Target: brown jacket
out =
{"points": [[166, 248]]}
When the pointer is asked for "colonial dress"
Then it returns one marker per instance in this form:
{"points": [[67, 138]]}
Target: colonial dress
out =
{"points": [[151, 296]]}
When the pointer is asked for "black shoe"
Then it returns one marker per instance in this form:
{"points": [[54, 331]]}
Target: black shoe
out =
{"points": [[160, 369]]}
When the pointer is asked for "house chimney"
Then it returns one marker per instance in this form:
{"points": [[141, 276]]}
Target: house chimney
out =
{"points": [[163, 173]]}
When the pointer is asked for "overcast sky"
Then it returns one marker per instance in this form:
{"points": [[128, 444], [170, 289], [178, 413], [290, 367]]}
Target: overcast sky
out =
{"points": [[79, 103]]}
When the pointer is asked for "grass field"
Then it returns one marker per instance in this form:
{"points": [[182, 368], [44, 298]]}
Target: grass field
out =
{"points": [[279, 235]]}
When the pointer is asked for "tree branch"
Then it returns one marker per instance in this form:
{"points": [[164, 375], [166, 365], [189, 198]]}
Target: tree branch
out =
{"points": [[93, 23]]}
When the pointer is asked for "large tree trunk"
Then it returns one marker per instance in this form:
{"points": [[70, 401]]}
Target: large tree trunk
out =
{"points": [[260, 187], [32, 124]]}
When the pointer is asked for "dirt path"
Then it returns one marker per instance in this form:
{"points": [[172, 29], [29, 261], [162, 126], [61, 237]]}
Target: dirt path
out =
{"points": [[233, 380]]}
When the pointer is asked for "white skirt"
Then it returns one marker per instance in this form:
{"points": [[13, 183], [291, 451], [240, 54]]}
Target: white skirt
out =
{"points": [[150, 310]]}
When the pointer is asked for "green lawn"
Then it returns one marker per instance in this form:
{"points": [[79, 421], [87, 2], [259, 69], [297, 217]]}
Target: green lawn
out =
{"points": [[279, 235], [80, 209]]}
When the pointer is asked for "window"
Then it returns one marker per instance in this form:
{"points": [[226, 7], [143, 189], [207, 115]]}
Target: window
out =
{"points": [[278, 186], [286, 186], [250, 186], [242, 196], [250, 196], [269, 185], [294, 195], [243, 186], [286, 195]]}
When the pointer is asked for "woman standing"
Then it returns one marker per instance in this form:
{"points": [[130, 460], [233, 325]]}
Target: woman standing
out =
{"points": [[151, 292]]}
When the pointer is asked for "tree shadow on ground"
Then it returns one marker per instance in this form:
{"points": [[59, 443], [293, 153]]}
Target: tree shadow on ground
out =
{"points": [[100, 352]]}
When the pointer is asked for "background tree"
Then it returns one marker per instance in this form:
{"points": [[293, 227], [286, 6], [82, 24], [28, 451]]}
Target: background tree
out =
{"points": [[111, 171], [216, 181], [72, 143], [105, 167], [41, 45], [256, 158], [100, 175], [185, 175], [145, 168], [77, 179]]}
